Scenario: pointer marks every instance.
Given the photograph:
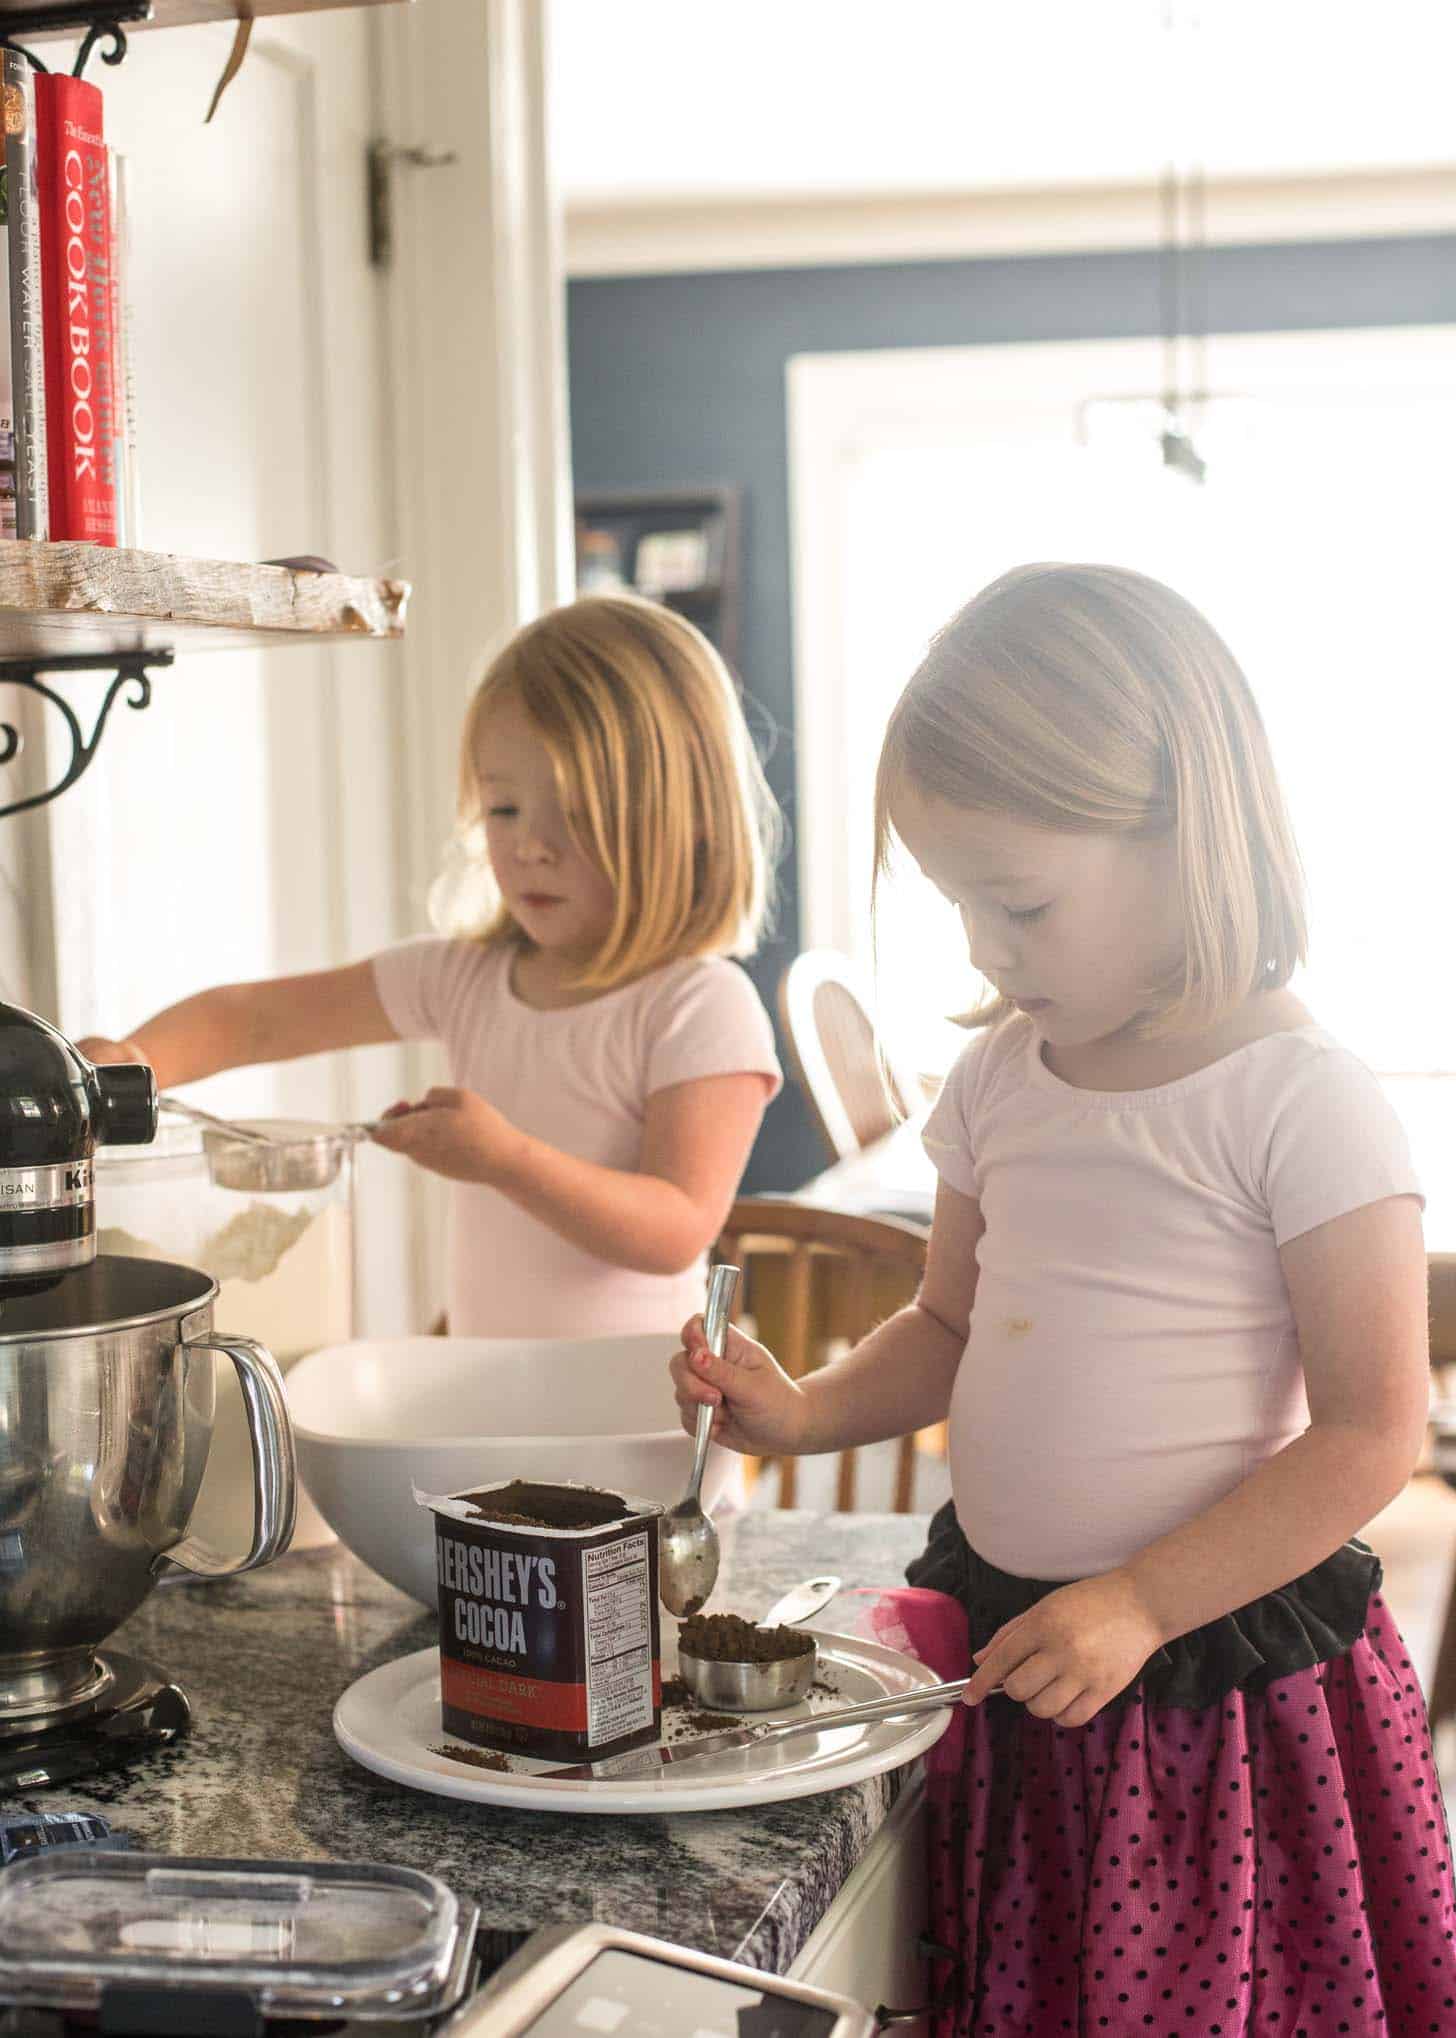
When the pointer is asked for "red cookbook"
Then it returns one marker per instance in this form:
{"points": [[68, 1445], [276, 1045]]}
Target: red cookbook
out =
{"points": [[75, 250]]}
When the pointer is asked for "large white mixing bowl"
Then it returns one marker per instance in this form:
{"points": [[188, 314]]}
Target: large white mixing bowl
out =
{"points": [[376, 1418]]}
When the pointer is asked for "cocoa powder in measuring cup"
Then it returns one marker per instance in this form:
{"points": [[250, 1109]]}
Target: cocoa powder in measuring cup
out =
{"points": [[550, 1643], [728, 1638]]}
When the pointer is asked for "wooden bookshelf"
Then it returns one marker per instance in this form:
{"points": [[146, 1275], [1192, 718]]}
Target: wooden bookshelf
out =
{"points": [[74, 598], [618, 521]]}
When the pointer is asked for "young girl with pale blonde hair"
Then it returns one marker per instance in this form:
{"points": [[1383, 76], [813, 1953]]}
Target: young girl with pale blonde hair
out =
{"points": [[1175, 1310], [609, 1064]]}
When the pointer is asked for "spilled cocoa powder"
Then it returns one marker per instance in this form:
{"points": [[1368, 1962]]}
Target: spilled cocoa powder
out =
{"points": [[675, 1692], [525, 1504], [728, 1638], [692, 1724], [474, 1758]]}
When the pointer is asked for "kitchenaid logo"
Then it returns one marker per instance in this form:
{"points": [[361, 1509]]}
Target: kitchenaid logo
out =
{"points": [[53, 1187], [493, 1588]]}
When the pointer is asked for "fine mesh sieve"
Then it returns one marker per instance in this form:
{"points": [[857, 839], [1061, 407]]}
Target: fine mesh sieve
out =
{"points": [[285, 1154]]}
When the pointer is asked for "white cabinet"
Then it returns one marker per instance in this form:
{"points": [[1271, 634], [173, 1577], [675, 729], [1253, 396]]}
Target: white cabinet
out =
{"points": [[867, 1943]]}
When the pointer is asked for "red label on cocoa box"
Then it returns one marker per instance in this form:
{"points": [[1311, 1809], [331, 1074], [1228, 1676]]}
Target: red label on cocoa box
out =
{"points": [[530, 1700]]}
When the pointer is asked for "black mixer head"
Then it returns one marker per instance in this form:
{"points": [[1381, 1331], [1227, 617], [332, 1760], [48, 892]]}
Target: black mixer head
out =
{"points": [[55, 1110]]}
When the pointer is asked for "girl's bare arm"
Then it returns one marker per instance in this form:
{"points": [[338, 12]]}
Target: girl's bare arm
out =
{"points": [[238, 1024], [656, 1218]]}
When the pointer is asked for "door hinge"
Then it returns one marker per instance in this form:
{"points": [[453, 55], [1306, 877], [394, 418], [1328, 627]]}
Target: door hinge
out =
{"points": [[379, 158]]}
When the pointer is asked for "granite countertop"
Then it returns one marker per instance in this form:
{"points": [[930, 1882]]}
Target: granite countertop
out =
{"points": [[260, 1774]]}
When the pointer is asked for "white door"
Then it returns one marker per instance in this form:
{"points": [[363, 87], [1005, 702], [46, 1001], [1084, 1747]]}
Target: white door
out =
{"points": [[267, 813]]}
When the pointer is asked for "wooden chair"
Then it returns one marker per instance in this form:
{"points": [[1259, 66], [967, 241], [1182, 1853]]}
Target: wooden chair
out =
{"points": [[817, 1279], [857, 1089], [1441, 1275]]}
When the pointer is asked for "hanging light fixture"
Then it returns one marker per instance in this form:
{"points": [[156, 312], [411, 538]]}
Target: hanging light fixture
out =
{"points": [[1183, 248]]}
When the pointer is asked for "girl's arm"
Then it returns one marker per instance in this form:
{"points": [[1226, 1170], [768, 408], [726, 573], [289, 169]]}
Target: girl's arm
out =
{"points": [[1358, 1290], [237, 1024], [655, 1219], [897, 1379]]}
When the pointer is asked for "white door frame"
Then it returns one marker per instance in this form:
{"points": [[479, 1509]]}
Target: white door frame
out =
{"points": [[475, 303]]}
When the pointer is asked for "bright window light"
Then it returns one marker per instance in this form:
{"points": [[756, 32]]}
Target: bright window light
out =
{"points": [[1319, 546]]}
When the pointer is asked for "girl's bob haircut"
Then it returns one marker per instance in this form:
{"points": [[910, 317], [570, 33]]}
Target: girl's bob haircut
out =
{"points": [[656, 773], [1090, 698]]}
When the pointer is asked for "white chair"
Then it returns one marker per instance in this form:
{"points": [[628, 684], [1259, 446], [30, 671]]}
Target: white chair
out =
{"points": [[858, 1088]]}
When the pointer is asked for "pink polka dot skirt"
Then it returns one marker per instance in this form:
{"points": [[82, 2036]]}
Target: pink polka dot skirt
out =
{"points": [[1267, 1866]]}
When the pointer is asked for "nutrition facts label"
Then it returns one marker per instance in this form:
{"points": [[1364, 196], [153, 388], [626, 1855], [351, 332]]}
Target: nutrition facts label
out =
{"points": [[616, 1593]]}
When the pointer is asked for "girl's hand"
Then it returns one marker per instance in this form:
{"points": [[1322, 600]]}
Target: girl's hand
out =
{"points": [[1065, 1657], [107, 1053], [454, 1133], [760, 1409]]}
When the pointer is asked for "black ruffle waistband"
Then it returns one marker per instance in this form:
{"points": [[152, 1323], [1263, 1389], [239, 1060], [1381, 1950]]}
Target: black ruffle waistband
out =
{"points": [[1313, 1619]]}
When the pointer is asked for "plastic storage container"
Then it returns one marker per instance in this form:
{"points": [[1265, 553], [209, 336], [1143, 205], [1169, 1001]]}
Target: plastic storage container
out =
{"points": [[283, 1259], [138, 1937]]}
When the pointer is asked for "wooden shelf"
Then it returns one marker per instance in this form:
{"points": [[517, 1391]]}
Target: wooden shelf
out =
{"points": [[74, 19], [71, 598]]}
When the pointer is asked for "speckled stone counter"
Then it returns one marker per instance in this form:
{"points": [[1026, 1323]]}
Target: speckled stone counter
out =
{"points": [[261, 1775]]}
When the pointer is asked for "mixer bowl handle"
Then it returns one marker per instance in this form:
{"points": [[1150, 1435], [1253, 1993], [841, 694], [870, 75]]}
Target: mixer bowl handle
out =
{"points": [[275, 1464]]}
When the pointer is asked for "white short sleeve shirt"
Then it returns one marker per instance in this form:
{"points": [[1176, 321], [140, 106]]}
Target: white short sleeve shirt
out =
{"points": [[1132, 1353]]}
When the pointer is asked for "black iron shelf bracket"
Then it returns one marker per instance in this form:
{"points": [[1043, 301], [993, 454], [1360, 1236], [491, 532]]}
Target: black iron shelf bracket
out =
{"points": [[94, 20], [130, 669]]}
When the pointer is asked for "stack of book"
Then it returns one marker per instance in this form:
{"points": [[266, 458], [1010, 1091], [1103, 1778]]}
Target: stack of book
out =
{"points": [[67, 445]]}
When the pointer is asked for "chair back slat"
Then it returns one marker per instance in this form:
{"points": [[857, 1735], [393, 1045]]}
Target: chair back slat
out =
{"points": [[815, 1282]]}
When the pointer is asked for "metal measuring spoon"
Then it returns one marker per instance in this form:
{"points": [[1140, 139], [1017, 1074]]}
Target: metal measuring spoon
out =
{"points": [[687, 1541], [804, 1600]]}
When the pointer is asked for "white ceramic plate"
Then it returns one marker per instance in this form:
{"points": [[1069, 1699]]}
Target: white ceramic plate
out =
{"points": [[390, 1722]]}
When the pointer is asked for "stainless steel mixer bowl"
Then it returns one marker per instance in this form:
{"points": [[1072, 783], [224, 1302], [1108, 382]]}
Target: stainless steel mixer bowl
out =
{"points": [[748, 1687], [106, 1411]]}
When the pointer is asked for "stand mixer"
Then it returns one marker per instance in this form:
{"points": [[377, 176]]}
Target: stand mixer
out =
{"points": [[106, 1393]]}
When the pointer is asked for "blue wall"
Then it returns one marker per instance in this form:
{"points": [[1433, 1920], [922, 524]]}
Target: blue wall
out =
{"points": [[678, 382]]}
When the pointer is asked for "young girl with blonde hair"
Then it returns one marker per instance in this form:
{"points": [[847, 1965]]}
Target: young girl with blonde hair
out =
{"points": [[1175, 1310], [609, 1064]]}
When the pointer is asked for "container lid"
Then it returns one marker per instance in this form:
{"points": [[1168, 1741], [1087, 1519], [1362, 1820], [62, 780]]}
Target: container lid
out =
{"points": [[83, 1929]]}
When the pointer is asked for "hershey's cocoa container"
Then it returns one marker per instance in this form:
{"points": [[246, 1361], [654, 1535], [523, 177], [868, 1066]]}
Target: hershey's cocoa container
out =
{"points": [[550, 1637]]}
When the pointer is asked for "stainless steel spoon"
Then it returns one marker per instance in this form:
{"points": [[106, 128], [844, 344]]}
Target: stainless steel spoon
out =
{"points": [[648, 1762], [687, 1541]]}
